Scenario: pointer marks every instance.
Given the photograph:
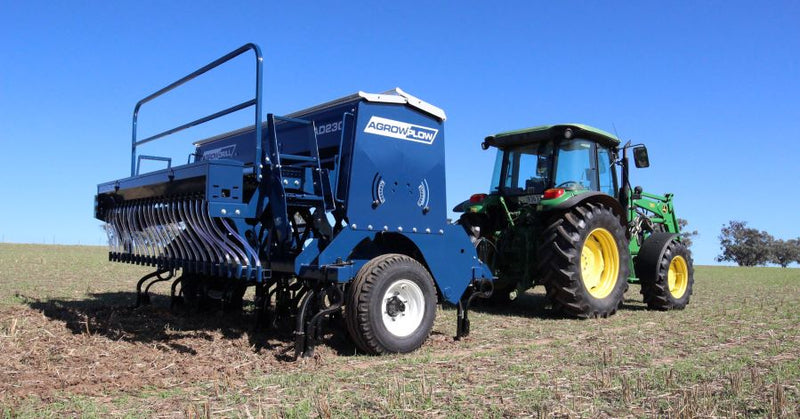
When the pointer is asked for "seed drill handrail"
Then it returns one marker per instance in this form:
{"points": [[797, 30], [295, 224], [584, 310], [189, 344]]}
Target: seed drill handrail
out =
{"points": [[255, 101]]}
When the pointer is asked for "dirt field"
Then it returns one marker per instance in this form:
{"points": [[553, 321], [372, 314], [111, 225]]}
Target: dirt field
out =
{"points": [[72, 345]]}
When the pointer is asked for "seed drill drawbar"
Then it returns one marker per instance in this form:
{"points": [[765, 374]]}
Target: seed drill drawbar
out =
{"points": [[339, 210]]}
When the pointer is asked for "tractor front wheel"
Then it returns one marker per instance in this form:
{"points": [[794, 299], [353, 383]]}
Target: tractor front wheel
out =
{"points": [[584, 261], [664, 266], [391, 305]]}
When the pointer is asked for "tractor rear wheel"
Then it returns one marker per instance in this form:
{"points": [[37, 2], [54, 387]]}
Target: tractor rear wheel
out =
{"points": [[391, 305], [664, 267], [584, 261]]}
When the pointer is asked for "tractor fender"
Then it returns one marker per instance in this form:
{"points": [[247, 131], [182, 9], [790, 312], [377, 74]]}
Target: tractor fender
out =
{"points": [[652, 250], [593, 196]]}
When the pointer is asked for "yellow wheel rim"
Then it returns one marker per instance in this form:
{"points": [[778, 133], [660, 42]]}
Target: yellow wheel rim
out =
{"points": [[678, 276], [599, 263]]}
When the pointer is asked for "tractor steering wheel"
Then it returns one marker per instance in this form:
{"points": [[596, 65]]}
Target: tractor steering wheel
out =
{"points": [[571, 184]]}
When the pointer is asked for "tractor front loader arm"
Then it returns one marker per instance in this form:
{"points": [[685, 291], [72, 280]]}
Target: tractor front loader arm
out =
{"points": [[659, 208]]}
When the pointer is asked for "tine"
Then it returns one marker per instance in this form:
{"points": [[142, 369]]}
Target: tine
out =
{"points": [[123, 239], [148, 240], [186, 233], [192, 225], [163, 230], [169, 238], [110, 229], [239, 257], [169, 243], [225, 251], [126, 241], [174, 240], [129, 227], [250, 251], [114, 214], [200, 228], [247, 248], [145, 232], [140, 238], [155, 232], [233, 250], [190, 231], [163, 252], [191, 254], [186, 254], [107, 228], [129, 231]]}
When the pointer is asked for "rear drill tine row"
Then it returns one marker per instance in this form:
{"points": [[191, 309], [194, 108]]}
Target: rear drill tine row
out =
{"points": [[179, 233]]}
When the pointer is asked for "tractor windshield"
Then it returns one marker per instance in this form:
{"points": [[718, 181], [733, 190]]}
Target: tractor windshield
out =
{"points": [[523, 170], [576, 165]]}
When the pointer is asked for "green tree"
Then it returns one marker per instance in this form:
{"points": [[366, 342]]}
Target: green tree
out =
{"points": [[743, 245], [686, 236], [785, 252]]}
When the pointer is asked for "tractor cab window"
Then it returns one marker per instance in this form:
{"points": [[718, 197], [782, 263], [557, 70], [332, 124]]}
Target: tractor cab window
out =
{"points": [[576, 167], [605, 168], [523, 170]]}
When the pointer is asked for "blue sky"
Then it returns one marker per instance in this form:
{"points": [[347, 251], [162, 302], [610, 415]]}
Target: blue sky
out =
{"points": [[712, 88]]}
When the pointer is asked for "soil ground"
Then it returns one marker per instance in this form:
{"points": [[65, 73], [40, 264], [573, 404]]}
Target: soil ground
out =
{"points": [[72, 344]]}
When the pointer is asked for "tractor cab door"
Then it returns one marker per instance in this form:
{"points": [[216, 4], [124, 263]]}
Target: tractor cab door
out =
{"points": [[606, 171], [584, 165]]}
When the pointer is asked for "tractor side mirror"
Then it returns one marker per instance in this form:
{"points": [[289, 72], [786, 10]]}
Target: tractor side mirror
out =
{"points": [[640, 156]]}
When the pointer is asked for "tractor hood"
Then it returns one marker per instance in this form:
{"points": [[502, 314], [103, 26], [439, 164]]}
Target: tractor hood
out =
{"points": [[549, 132]]}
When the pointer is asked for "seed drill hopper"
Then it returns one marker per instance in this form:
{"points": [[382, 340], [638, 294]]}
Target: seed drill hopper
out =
{"points": [[339, 208]]}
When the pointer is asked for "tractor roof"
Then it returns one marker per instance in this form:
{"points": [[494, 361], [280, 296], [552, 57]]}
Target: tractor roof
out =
{"points": [[550, 132]]}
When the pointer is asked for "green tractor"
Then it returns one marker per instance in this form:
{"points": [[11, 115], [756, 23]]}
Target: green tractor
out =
{"points": [[557, 215]]}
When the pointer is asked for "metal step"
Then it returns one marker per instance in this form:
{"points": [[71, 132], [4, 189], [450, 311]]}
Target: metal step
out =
{"points": [[296, 157]]}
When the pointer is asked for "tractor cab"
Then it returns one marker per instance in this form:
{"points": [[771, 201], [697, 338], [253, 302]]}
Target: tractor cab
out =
{"points": [[549, 162]]}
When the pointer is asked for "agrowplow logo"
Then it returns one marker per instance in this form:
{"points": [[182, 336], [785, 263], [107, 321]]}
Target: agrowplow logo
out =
{"points": [[401, 130]]}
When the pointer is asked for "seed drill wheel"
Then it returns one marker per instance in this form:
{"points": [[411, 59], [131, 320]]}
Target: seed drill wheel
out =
{"points": [[391, 305], [664, 267], [584, 261]]}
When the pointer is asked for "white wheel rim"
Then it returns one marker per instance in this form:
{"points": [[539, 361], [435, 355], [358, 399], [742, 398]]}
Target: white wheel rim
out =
{"points": [[402, 308]]}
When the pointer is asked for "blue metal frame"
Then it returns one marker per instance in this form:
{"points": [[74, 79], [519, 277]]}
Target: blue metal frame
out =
{"points": [[386, 192], [156, 158], [255, 101]]}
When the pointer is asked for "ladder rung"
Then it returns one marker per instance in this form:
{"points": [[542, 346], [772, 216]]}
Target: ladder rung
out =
{"points": [[297, 157], [295, 120]]}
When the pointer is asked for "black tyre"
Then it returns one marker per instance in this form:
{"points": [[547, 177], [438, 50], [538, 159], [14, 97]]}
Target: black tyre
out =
{"points": [[664, 267], [390, 305], [584, 261]]}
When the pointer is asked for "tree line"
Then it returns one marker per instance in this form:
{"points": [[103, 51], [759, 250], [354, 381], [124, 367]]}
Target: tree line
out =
{"points": [[748, 246]]}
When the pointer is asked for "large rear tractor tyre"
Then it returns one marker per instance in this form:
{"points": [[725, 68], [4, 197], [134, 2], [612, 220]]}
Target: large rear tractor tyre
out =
{"points": [[584, 261], [665, 269], [390, 305]]}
